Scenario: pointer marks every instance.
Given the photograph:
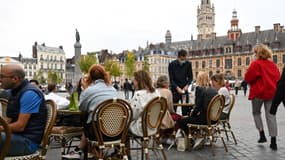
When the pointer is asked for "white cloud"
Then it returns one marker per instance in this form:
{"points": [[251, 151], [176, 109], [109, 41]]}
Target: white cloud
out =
{"points": [[119, 24]]}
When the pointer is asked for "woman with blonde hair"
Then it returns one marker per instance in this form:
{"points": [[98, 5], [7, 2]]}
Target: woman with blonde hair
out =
{"points": [[144, 92], [203, 93], [262, 76]]}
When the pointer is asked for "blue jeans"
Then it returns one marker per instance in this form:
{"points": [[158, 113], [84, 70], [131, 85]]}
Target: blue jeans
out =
{"points": [[19, 145]]}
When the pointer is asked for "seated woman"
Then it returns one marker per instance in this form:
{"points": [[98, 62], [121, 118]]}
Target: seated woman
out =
{"points": [[218, 83], [162, 84], [97, 87], [144, 92], [203, 93], [100, 88]]}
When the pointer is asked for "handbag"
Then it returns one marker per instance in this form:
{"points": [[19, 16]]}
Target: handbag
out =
{"points": [[181, 141], [167, 121]]}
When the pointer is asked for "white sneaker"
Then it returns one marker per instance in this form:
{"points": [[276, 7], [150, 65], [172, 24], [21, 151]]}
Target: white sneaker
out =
{"points": [[72, 155], [199, 142]]}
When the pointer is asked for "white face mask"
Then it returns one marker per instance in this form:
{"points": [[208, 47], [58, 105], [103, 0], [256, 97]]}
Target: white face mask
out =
{"points": [[182, 61]]}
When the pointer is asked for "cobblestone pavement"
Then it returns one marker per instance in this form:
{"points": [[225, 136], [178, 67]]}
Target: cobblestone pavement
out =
{"points": [[246, 134]]}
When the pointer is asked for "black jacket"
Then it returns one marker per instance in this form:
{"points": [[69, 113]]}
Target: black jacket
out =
{"points": [[180, 74], [203, 96], [279, 94]]}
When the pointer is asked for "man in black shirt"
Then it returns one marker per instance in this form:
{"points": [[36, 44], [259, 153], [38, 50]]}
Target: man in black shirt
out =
{"points": [[180, 76]]}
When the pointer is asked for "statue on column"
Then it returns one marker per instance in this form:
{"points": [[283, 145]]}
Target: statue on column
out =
{"points": [[77, 36]]}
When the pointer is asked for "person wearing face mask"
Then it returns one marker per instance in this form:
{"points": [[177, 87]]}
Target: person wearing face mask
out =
{"points": [[180, 76]]}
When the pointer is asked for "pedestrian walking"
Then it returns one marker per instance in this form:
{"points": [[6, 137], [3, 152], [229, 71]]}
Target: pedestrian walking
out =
{"points": [[237, 86], [244, 87], [279, 94], [127, 88], [262, 76]]}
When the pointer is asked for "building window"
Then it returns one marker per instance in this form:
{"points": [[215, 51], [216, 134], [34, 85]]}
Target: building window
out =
{"points": [[247, 61], [217, 63], [275, 59], [239, 61], [34, 66], [211, 73], [30, 73], [197, 64], [30, 66], [239, 74], [203, 64], [42, 66], [25, 66], [228, 63], [283, 59], [210, 63]]}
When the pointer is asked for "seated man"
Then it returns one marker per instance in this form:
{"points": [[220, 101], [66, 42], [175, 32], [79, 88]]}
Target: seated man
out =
{"points": [[61, 102], [26, 111]]}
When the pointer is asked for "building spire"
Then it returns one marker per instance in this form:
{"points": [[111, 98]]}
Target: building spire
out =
{"points": [[234, 33], [205, 20]]}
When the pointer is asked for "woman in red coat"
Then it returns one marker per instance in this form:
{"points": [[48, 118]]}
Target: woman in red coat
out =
{"points": [[262, 76]]}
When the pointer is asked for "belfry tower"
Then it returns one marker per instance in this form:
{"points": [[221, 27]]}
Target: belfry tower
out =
{"points": [[234, 33], [205, 19]]}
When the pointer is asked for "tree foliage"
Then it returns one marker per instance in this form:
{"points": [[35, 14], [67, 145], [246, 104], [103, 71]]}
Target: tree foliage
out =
{"points": [[130, 64], [54, 77], [146, 64], [39, 76], [113, 68], [86, 62]]}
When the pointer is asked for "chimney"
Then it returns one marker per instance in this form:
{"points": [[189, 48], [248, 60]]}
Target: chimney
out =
{"points": [[282, 29], [276, 27], [257, 29], [60, 47], [213, 35]]}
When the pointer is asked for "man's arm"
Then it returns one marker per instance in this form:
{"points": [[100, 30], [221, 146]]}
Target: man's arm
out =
{"points": [[171, 75]]}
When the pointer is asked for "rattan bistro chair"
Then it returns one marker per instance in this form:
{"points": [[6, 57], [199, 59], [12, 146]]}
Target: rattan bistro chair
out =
{"points": [[152, 116], [41, 154], [226, 122], [6, 143], [210, 131], [110, 118], [4, 103]]}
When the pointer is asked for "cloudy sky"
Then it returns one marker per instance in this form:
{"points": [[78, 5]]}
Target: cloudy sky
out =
{"points": [[119, 24]]}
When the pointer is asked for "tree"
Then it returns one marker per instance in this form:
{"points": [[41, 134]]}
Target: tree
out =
{"points": [[113, 68], [39, 76], [54, 77], [130, 64], [86, 61], [146, 64]]}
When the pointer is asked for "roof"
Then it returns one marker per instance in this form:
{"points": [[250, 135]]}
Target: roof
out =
{"points": [[42, 48]]}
